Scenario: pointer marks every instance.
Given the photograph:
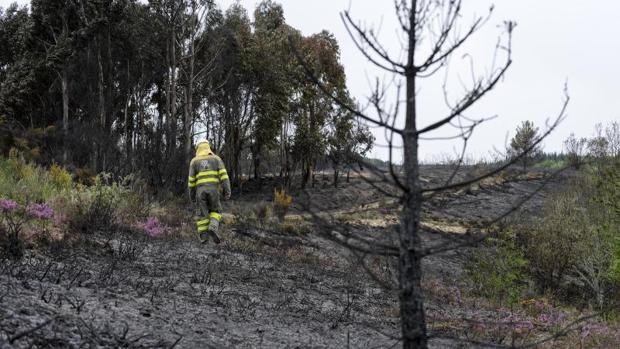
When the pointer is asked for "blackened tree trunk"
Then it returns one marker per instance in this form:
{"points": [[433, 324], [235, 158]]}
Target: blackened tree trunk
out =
{"points": [[306, 173], [410, 259], [256, 159], [129, 122], [98, 158], [109, 95], [413, 324], [65, 113], [189, 104], [336, 173], [172, 121]]}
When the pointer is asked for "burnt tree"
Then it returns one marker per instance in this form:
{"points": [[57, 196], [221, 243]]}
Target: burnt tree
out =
{"points": [[433, 34]]}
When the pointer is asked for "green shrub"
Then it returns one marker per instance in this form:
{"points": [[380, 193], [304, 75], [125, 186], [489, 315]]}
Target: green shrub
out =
{"points": [[554, 242], [92, 204], [134, 205], [85, 176], [498, 271], [245, 217], [573, 246], [15, 219], [524, 144], [295, 227], [60, 177], [264, 213], [93, 209], [575, 151], [25, 182], [551, 164], [281, 203]]}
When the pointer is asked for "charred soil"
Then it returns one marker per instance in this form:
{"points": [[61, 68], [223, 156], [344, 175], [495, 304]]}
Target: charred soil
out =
{"points": [[262, 287]]}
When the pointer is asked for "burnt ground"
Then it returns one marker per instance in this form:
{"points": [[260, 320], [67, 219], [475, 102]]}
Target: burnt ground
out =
{"points": [[261, 288], [202, 297]]}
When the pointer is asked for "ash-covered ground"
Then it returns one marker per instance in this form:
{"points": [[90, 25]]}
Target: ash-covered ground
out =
{"points": [[261, 288]]}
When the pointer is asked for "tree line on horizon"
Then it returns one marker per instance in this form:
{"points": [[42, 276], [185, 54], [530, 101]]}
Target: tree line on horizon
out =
{"points": [[123, 86]]}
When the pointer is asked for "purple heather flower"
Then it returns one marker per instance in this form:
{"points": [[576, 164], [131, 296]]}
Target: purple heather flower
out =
{"points": [[153, 227], [515, 322], [40, 211], [7, 205], [586, 331]]}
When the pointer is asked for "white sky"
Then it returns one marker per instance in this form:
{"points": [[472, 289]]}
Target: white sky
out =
{"points": [[556, 41]]}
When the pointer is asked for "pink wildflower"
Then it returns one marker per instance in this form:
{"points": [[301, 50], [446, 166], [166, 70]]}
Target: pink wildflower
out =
{"points": [[586, 331], [516, 323], [7, 205], [544, 318], [40, 211], [153, 227]]}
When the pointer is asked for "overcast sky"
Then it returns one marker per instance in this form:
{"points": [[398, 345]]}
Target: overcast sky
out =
{"points": [[556, 41]]}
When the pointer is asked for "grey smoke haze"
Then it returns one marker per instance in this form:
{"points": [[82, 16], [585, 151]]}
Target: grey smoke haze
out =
{"points": [[555, 42]]}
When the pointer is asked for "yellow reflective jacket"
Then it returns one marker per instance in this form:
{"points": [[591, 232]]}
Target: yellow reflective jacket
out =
{"points": [[207, 169]]}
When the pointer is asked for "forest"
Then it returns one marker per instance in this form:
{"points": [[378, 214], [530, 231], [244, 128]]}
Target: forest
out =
{"points": [[129, 87]]}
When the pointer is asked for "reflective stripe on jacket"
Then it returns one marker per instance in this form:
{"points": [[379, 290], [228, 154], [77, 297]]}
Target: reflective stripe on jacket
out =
{"points": [[207, 169]]}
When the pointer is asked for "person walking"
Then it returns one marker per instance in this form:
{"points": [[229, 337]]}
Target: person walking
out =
{"points": [[207, 177]]}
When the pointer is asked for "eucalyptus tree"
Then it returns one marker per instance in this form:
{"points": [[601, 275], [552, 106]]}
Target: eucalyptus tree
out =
{"points": [[348, 141], [20, 79], [234, 100], [272, 62], [312, 107], [56, 27]]}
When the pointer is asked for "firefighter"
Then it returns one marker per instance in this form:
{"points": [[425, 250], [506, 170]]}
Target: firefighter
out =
{"points": [[207, 177]]}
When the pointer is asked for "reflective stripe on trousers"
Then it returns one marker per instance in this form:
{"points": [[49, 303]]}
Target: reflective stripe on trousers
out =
{"points": [[210, 224]]}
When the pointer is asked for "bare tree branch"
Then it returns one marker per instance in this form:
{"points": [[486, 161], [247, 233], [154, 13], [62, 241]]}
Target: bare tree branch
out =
{"points": [[371, 42]]}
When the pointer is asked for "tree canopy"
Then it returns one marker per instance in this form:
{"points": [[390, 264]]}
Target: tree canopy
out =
{"points": [[124, 86]]}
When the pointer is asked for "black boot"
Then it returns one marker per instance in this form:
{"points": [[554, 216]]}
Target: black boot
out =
{"points": [[215, 237]]}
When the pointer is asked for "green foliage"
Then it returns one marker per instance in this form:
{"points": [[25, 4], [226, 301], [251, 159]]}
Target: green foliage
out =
{"points": [[573, 247], [254, 216], [281, 203], [85, 176], [245, 217], [81, 208], [106, 205], [60, 177], [92, 209], [570, 249], [296, 227], [264, 213], [272, 65], [524, 142], [551, 164], [348, 141], [15, 219], [498, 272], [606, 202], [94, 69], [614, 271], [555, 241], [25, 182], [575, 150]]}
